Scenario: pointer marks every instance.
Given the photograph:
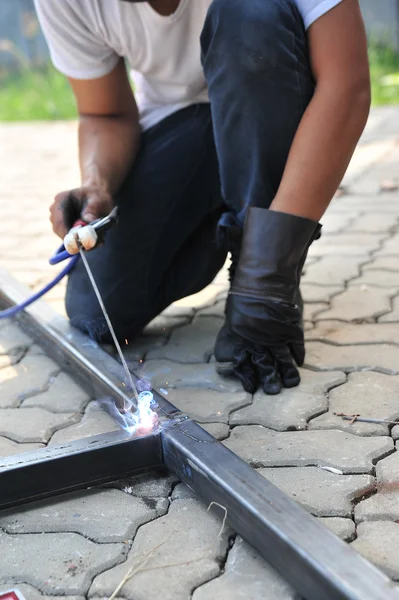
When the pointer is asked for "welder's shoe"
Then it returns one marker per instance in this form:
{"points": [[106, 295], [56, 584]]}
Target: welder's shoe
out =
{"points": [[224, 346]]}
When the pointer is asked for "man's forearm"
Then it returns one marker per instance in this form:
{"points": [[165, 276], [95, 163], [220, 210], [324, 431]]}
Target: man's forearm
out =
{"points": [[107, 149], [321, 151]]}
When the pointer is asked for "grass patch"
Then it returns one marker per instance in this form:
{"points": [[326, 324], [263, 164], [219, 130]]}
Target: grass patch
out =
{"points": [[44, 94], [384, 69], [35, 94]]}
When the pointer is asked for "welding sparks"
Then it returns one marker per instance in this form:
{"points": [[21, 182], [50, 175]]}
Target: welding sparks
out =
{"points": [[135, 420]]}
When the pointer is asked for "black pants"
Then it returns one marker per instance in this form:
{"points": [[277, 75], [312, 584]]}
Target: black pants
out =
{"points": [[201, 162]]}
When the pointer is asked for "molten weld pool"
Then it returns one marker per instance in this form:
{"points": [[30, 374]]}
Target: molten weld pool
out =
{"points": [[11, 595]]}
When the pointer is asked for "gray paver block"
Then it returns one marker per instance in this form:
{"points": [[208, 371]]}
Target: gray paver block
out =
{"points": [[345, 244], [311, 310], [336, 223], [31, 593], [322, 493], [198, 549], [319, 293], [32, 424], [7, 360], [358, 303], [332, 270], [220, 431], [393, 315], [183, 492], [8, 447], [372, 222], [380, 278], [372, 357], [343, 528], [378, 541], [388, 263], [94, 422], [246, 576], [203, 298], [207, 405], [12, 337], [148, 485], [190, 344], [215, 310], [355, 333], [391, 246], [166, 375], [104, 516], [293, 407], [63, 395], [30, 376], [56, 564], [371, 395], [384, 505], [348, 453]]}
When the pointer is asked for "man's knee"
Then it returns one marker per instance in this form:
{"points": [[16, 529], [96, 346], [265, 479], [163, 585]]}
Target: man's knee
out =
{"points": [[252, 35]]}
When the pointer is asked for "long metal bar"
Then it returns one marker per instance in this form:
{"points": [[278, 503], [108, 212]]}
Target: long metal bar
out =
{"points": [[79, 464], [314, 561]]}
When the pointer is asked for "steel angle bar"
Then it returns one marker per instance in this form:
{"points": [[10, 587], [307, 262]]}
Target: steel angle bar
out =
{"points": [[315, 562], [79, 464]]}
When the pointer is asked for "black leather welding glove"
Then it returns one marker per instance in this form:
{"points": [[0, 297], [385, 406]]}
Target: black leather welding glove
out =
{"points": [[262, 317]]}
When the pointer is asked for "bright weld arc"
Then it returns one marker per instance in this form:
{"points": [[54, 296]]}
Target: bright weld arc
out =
{"points": [[143, 420]]}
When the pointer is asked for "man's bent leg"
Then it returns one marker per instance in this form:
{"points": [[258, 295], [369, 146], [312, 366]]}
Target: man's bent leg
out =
{"points": [[256, 64], [164, 244]]}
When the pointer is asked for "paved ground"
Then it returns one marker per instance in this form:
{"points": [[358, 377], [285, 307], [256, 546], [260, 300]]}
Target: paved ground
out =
{"points": [[346, 474]]}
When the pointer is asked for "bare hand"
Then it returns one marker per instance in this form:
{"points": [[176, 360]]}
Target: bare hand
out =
{"points": [[87, 203]]}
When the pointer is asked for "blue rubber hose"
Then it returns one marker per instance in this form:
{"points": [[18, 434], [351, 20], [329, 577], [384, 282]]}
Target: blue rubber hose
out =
{"points": [[58, 257]]}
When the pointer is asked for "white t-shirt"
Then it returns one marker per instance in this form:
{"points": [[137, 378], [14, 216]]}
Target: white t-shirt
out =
{"points": [[87, 37]]}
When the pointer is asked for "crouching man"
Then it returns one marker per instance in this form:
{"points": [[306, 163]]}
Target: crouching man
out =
{"points": [[242, 122]]}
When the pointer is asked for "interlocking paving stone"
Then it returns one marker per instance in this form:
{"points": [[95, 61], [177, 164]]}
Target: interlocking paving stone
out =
{"points": [[198, 549], [322, 493], [8, 447], [63, 395], [32, 424], [345, 244], [355, 333], [380, 278], [371, 395], [311, 311], [371, 357], [190, 344], [343, 528], [358, 303], [31, 593], [167, 375], [220, 431], [215, 310], [388, 263], [378, 542], [336, 223], [105, 516], [332, 270], [293, 407], [94, 422], [384, 505], [207, 405], [202, 298], [319, 293], [391, 246], [12, 337], [246, 576], [393, 315], [372, 222], [28, 377], [56, 564], [148, 485], [7, 360], [337, 449]]}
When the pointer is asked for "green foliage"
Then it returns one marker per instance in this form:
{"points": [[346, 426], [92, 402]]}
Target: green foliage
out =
{"points": [[44, 94], [384, 68], [35, 94]]}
